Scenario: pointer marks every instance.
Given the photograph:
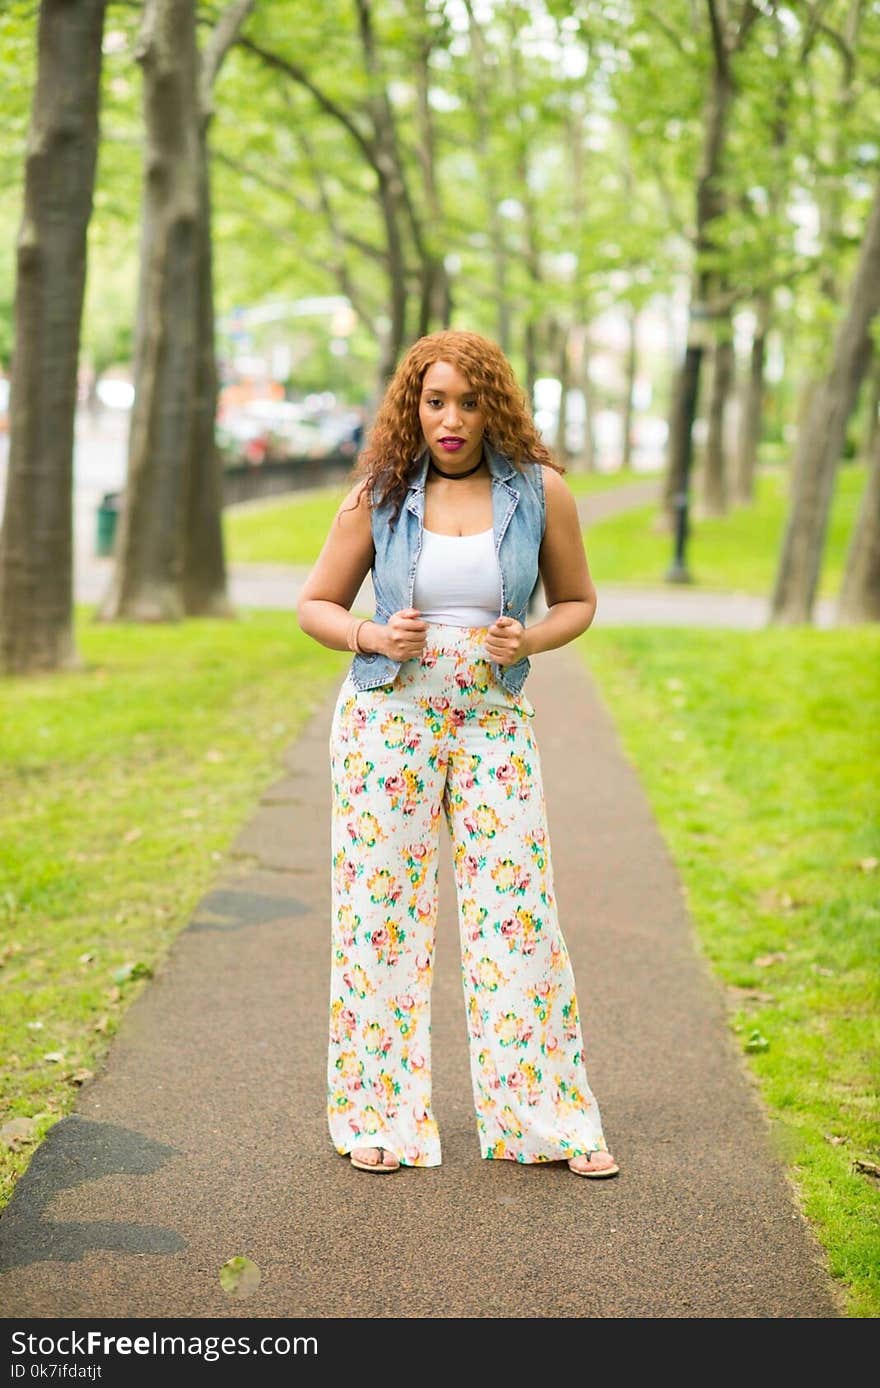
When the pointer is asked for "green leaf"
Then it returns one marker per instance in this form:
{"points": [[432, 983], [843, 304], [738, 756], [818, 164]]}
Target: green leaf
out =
{"points": [[239, 1277], [131, 971]]}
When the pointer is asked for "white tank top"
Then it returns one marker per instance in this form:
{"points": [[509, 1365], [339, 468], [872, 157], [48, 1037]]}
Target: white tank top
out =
{"points": [[458, 581]]}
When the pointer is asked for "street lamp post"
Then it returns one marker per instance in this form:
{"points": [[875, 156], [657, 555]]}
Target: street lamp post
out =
{"points": [[698, 340], [678, 571]]}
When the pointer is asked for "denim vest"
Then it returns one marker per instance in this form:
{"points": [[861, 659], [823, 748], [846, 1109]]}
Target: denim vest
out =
{"points": [[518, 518]]}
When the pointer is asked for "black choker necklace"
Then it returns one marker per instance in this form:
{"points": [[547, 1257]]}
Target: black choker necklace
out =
{"points": [[454, 476]]}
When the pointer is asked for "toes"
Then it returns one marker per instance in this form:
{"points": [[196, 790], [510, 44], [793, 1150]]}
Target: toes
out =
{"points": [[375, 1156], [592, 1161]]}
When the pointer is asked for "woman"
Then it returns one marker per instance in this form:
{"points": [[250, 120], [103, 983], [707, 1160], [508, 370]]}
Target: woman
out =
{"points": [[457, 508]]}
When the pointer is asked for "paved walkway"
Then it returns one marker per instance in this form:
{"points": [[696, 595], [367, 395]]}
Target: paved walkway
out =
{"points": [[204, 1136]]}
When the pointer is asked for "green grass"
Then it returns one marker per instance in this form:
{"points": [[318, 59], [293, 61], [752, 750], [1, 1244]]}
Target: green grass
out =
{"points": [[585, 483], [121, 788], [739, 551], [759, 753], [290, 529]]}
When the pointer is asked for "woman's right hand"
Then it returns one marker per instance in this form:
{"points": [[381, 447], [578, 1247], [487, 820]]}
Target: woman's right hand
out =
{"points": [[403, 636]]}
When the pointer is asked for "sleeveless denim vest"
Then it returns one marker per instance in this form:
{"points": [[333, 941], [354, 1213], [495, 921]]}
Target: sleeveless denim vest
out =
{"points": [[518, 519]]}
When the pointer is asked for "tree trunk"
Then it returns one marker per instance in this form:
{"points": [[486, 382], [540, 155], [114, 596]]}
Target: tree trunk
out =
{"points": [[561, 441], [752, 409], [398, 210], [872, 417], [714, 490], [150, 546], [36, 541], [531, 253], [860, 592], [820, 440], [483, 130], [632, 362], [436, 305], [203, 580], [710, 203], [584, 460], [728, 39]]}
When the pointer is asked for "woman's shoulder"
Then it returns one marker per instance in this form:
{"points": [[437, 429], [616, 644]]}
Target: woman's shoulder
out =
{"points": [[553, 482], [354, 508]]}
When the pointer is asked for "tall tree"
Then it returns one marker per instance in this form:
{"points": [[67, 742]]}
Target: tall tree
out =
{"points": [[821, 438], [729, 30], [515, 18], [436, 297], [860, 591], [36, 541], [774, 97], [169, 554], [203, 576], [146, 581], [815, 466], [481, 111]]}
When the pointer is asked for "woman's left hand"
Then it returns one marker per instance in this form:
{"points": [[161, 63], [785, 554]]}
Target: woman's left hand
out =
{"points": [[505, 641]]}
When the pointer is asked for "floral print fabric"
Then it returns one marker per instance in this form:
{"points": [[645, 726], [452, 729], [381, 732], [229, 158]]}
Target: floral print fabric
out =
{"points": [[447, 739]]}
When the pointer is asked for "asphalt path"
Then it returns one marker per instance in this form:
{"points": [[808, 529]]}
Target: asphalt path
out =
{"points": [[204, 1135]]}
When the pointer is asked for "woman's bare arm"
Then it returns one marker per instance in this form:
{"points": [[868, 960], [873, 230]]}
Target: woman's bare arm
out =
{"points": [[324, 605], [565, 573]]}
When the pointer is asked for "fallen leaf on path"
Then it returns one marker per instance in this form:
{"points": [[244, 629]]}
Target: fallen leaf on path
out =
{"points": [[869, 864], [17, 1131], [86, 958], [743, 994], [765, 961], [868, 1168], [132, 835], [80, 1076], [34, 1026], [101, 1024], [239, 1277], [56, 1057], [835, 1140]]}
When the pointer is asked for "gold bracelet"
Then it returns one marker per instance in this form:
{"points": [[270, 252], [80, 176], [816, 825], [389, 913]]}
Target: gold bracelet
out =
{"points": [[351, 636]]}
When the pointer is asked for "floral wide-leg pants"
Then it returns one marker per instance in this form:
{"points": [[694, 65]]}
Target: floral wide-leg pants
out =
{"points": [[447, 736]]}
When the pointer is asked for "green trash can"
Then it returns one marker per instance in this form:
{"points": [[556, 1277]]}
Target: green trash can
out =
{"points": [[108, 514]]}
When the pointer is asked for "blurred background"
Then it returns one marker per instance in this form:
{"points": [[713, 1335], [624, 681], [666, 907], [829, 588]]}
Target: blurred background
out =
{"points": [[221, 226]]}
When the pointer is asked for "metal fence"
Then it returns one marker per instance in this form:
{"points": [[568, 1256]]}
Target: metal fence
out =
{"points": [[246, 481]]}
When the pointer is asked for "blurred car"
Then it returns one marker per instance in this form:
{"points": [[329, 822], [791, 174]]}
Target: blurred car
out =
{"points": [[340, 431], [268, 431]]}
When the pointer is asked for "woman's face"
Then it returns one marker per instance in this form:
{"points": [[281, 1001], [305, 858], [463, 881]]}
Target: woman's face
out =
{"points": [[451, 417]]}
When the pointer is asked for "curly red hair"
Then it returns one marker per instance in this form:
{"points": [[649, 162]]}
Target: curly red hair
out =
{"points": [[396, 441]]}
